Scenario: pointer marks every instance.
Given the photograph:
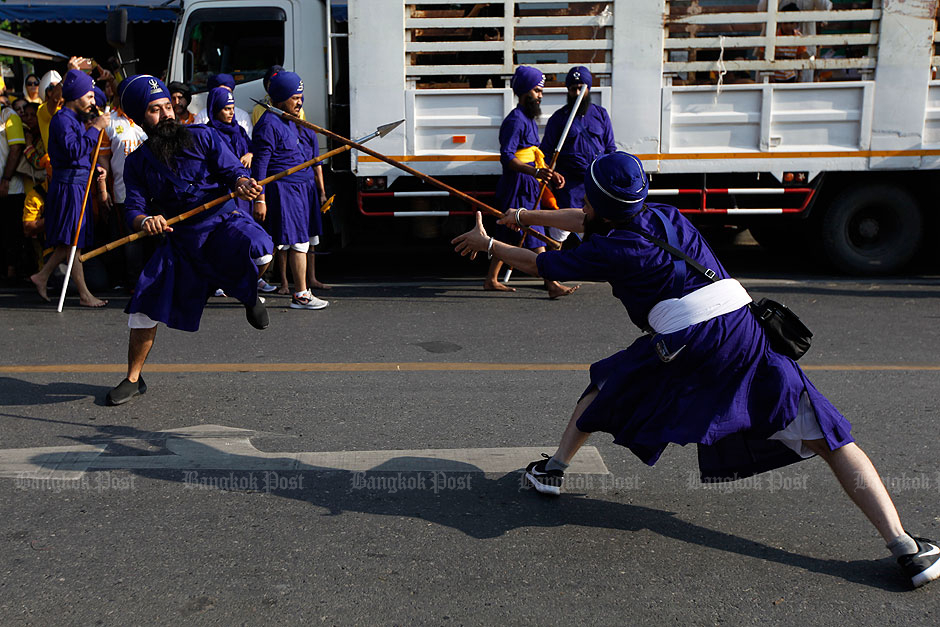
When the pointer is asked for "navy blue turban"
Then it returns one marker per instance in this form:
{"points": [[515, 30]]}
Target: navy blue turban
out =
{"points": [[616, 186], [221, 80], [283, 85], [526, 79], [76, 84], [578, 75], [135, 93], [100, 99]]}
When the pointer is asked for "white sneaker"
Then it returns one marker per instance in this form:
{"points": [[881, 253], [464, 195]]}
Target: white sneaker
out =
{"points": [[264, 286], [306, 300]]}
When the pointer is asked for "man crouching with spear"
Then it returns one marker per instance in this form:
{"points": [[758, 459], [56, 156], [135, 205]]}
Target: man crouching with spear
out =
{"points": [[177, 169]]}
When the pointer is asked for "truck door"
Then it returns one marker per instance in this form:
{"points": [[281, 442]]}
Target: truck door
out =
{"points": [[238, 38]]}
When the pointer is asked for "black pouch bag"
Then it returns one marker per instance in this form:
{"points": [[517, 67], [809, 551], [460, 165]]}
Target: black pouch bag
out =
{"points": [[784, 330]]}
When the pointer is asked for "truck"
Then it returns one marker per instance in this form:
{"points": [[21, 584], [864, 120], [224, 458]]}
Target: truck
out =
{"points": [[816, 129]]}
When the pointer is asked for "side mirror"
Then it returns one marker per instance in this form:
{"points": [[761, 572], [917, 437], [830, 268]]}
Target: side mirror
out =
{"points": [[116, 33]]}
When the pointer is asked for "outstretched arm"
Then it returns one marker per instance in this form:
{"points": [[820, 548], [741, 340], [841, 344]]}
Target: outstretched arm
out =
{"points": [[564, 219], [476, 241]]}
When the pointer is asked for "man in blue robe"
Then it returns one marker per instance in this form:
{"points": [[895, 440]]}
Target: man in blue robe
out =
{"points": [[705, 372], [177, 169], [523, 168], [70, 150], [289, 207], [590, 136]]}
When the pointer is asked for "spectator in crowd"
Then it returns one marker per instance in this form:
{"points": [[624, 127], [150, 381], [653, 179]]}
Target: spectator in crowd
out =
{"points": [[12, 142], [181, 96], [31, 89], [788, 53], [124, 136], [18, 105], [51, 89], [33, 223], [242, 117]]}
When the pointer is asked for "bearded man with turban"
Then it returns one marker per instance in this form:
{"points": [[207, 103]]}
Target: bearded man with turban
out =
{"points": [[70, 148], [704, 373], [590, 136], [523, 168], [179, 168]]}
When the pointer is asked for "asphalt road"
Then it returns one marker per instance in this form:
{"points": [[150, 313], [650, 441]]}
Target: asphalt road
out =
{"points": [[157, 535]]}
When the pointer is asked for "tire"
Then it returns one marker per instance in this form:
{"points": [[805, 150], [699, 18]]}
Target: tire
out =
{"points": [[870, 230]]}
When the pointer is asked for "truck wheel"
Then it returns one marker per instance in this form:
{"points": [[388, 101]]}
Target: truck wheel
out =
{"points": [[872, 230]]}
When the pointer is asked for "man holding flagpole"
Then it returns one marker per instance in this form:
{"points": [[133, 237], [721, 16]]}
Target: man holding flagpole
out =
{"points": [[177, 169], [70, 150]]}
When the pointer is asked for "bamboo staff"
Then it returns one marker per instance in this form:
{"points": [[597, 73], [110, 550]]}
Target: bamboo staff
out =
{"points": [[401, 166], [81, 216], [380, 132], [561, 142]]}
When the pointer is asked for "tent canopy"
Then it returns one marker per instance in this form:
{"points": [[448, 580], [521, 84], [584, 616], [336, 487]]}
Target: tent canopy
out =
{"points": [[20, 47], [87, 10]]}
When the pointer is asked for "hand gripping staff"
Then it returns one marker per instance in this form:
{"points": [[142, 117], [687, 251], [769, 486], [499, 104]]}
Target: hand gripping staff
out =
{"points": [[561, 142], [81, 216], [401, 166], [381, 131]]}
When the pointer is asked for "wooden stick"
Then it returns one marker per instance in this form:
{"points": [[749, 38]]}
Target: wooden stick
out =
{"points": [[81, 216], [212, 203], [421, 175]]}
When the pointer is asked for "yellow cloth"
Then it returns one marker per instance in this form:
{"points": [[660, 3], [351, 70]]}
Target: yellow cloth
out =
{"points": [[533, 154], [33, 205], [258, 111], [45, 119]]}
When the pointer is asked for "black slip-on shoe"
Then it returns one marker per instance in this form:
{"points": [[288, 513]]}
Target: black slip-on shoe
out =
{"points": [[125, 391], [257, 314], [924, 566]]}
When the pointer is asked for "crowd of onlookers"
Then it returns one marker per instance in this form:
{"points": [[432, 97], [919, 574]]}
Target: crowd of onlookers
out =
{"points": [[25, 117]]}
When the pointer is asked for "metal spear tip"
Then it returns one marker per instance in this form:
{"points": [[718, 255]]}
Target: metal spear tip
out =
{"points": [[265, 105], [385, 129]]}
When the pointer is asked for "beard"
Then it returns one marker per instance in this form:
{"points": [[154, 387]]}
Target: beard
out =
{"points": [[595, 226], [585, 103], [87, 117], [532, 108], [168, 139]]}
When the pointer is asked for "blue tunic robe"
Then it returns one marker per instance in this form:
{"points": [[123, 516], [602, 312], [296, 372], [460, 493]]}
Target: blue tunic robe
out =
{"points": [[213, 249], [277, 145], [70, 149], [234, 137], [515, 189], [590, 136], [727, 391]]}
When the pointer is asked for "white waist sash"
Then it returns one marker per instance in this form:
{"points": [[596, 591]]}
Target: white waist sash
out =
{"points": [[705, 303]]}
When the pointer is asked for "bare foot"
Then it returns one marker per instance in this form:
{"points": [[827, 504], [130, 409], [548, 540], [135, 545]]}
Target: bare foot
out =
{"points": [[92, 302], [40, 287], [319, 286], [284, 290], [557, 290], [496, 286]]}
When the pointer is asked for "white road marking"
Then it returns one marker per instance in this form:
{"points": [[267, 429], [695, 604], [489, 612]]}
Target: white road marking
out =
{"points": [[215, 447]]}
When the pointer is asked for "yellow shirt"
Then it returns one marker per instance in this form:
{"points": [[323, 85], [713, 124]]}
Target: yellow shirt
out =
{"points": [[45, 119], [34, 203]]}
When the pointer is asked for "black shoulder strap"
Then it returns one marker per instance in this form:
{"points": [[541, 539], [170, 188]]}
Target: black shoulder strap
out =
{"points": [[708, 272]]}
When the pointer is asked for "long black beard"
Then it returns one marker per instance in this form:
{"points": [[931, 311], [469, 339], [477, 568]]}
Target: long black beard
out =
{"points": [[585, 103], [532, 108], [87, 117], [595, 226], [168, 139]]}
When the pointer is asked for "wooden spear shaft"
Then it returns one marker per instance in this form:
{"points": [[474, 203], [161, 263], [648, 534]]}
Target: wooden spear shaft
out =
{"points": [[421, 175], [211, 204]]}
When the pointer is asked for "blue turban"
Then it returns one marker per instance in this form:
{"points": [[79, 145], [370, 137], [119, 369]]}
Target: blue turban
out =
{"points": [[218, 99], [578, 75], [100, 99], [283, 85], [221, 80], [616, 185], [526, 79], [135, 93], [76, 84]]}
